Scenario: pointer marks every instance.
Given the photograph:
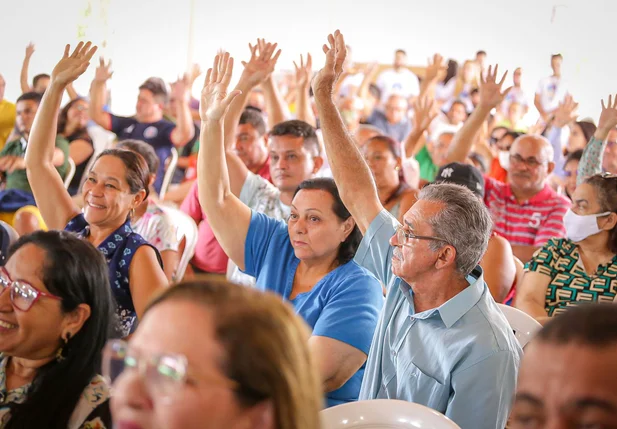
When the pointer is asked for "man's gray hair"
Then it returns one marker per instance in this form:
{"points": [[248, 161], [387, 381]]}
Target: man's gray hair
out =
{"points": [[464, 222]]}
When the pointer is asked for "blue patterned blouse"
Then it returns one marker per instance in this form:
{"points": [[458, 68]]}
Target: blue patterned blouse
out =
{"points": [[118, 249]]}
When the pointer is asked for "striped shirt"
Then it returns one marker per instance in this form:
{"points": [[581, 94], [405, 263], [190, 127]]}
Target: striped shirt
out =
{"points": [[528, 223]]}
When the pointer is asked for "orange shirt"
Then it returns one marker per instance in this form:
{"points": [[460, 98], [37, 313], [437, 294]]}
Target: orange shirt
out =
{"points": [[497, 172]]}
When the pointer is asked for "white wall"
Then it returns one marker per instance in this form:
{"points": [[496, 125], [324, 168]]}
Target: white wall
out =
{"points": [[150, 37]]}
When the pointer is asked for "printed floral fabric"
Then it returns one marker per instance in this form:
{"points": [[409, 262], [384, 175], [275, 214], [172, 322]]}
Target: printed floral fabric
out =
{"points": [[91, 412], [157, 228], [118, 249]]}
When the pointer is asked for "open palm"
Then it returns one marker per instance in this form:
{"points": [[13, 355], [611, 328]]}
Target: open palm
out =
{"points": [[72, 66], [490, 89], [262, 62], [608, 117], [214, 98], [324, 81]]}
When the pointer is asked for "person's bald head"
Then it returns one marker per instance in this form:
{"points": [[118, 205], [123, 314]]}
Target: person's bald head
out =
{"points": [[2, 87], [531, 162], [396, 108]]}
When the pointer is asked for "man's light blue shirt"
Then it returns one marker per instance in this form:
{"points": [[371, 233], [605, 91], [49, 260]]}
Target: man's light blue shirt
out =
{"points": [[460, 359]]}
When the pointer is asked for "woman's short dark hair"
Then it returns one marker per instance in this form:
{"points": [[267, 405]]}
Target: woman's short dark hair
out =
{"points": [[137, 171], [452, 71], [63, 116], [393, 146], [145, 150], [588, 129], [574, 156], [347, 249], [606, 188], [75, 271]]}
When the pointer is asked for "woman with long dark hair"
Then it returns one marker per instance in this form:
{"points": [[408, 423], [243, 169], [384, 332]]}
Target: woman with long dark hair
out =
{"points": [[56, 314]]}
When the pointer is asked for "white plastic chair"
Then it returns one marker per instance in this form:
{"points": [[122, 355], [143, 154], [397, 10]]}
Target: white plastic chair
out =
{"points": [[169, 172], [70, 173], [524, 326], [384, 413], [187, 232]]}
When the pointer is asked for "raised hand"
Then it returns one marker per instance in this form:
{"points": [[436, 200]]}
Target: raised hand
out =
{"points": [[29, 50], [490, 90], [214, 98], [261, 64], [566, 112], [194, 73], [103, 71], [304, 73], [72, 66], [424, 113], [435, 68], [181, 89], [325, 80], [608, 117]]}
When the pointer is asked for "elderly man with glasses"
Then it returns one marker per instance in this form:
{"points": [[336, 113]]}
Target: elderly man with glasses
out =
{"points": [[441, 340]]}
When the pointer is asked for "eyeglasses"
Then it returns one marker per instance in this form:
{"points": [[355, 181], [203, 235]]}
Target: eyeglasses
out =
{"points": [[529, 162], [164, 374], [403, 236], [23, 294]]}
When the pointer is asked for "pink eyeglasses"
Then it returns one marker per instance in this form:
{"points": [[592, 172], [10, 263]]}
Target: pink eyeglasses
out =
{"points": [[23, 294]]}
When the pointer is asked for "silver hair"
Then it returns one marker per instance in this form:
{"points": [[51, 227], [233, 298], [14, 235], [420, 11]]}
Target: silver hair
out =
{"points": [[464, 222]]}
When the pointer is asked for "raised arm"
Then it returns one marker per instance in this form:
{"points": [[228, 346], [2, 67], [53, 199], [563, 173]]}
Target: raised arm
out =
{"points": [[52, 199], [275, 104], [591, 161], [425, 114], [227, 215], [304, 73], [351, 174], [490, 97], [434, 70], [97, 95], [563, 115], [23, 77], [184, 132], [259, 67]]}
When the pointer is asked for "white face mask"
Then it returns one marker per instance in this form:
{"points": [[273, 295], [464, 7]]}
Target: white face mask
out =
{"points": [[580, 227], [504, 159]]}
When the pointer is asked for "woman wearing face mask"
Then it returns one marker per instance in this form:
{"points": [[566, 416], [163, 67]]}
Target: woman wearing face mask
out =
{"points": [[72, 123], [116, 185], [581, 267], [383, 158], [308, 260]]}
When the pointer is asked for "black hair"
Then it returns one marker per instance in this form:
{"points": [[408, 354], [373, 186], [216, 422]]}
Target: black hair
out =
{"points": [[347, 249], [145, 150], [480, 53], [63, 116], [460, 102], [30, 96], [75, 271], [513, 134], [588, 129], [556, 56], [297, 128], [137, 171], [574, 156], [586, 324], [401, 51], [38, 77], [254, 118], [452, 71], [606, 188]]}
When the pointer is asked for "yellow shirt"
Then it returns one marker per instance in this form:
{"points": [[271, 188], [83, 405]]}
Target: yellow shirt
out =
{"points": [[7, 120]]}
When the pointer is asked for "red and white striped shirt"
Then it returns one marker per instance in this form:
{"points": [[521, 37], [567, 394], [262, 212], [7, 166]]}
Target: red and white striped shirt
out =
{"points": [[528, 223]]}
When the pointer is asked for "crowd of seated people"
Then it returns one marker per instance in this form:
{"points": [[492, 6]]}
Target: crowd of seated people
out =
{"points": [[358, 230]]}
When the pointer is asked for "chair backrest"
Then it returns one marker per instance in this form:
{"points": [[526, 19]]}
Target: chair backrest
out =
{"points": [[524, 326], [70, 173], [384, 413], [169, 172], [187, 232]]}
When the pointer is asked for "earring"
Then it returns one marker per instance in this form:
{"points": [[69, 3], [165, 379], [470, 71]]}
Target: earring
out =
{"points": [[132, 213], [63, 350]]}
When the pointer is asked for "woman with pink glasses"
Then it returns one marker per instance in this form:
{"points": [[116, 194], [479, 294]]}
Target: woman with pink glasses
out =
{"points": [[56, 310]]}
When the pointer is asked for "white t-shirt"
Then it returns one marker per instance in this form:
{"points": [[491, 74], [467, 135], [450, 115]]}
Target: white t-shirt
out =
{"points": [[515, 95], [552, 91], [403, 82], [353, 80]]}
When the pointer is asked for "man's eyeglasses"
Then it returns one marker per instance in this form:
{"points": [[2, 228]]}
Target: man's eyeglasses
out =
{"points": [[23, 294], [403, 237], [164, 374], [529, 162]]}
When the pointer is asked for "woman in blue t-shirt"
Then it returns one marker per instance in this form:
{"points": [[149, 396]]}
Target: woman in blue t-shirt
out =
{"points": [[115, 186], [308, 260]]}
